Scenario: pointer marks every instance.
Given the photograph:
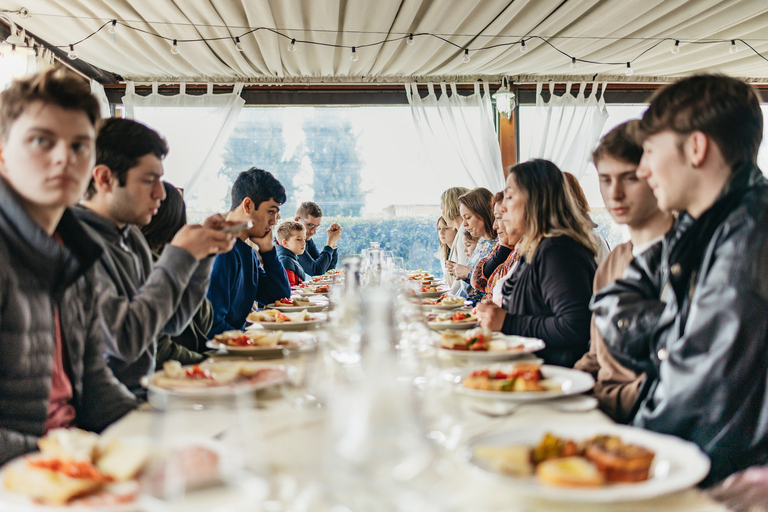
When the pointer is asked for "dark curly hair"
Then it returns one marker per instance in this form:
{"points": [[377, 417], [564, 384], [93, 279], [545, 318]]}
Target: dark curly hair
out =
{"points": [[258, 185], [170, 218]]}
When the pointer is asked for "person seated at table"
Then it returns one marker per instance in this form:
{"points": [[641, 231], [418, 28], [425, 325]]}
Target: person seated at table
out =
{"points": [[631, 202], [52, 370], [548, 295], [291, 235], [574, 188], [445, 236], [691, 313], [477, 214], [313, 261], [470, 244], [188, 346], [144, 298], [449, 209], [491, 272], [239, 277]]}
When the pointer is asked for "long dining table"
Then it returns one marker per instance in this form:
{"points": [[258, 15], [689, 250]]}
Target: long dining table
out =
{"points": [[291, 435]]}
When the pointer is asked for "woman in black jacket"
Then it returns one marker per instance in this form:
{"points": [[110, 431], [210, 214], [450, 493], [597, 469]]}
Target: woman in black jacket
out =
{"points": [[548, 295]]}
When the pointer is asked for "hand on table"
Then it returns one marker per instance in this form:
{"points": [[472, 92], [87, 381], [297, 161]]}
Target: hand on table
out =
{"points": [[490, 315]]}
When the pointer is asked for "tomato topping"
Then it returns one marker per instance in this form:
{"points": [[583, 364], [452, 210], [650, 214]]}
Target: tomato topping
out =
{"points": [[241, 341], [282, 317], [460, 316], [286, 301], [198, 373], [71, 468]]}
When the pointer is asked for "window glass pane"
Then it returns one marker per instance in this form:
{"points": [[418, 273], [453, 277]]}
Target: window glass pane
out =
{"points": [[364, 166]]}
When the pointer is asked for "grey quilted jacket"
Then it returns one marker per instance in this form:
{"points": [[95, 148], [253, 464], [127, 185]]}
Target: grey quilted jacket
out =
{"points": [[37, 274]]}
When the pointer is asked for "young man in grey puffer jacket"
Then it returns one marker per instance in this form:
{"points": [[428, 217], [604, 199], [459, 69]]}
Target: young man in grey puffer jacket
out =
{"points": [[52, 368]]}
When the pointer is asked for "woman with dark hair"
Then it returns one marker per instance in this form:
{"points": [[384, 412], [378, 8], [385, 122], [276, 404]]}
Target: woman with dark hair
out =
{"points": [[187, 346], [548, 295], [496, 266]]}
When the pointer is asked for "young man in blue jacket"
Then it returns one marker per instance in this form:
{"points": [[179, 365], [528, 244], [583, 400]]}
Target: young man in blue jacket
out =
{"points": [[239, 279]]}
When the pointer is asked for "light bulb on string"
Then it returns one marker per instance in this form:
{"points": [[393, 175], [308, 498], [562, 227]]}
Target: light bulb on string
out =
{"points": [[292, 46], [628, 71], [733, 48], [574, 64], [112, 26], [676, 49], [353, 57], [72, 55], [465, 59], [13, 50], [410, 40], [175, 48], [523, 48], [238, 44]]}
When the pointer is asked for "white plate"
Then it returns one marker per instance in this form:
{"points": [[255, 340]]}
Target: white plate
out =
{"points": [[516, 347], [316, 320], [294, 339], [442, 307], [563, 382], [678, 464], [431, 295], [450, 324], [241, 384], [12, 502], [294, 309]]}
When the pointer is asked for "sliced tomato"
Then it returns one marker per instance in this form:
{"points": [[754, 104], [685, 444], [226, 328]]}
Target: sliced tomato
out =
{"points": [[198, 373]]}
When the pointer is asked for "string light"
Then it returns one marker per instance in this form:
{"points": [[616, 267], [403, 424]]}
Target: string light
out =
{"points": [[628, 71], [353, 57], [574, 64], [238, 44], [175, 48], [505, 99], [13, 50], [465, 60], [410, 40], [72, 55], [676, 48], [292, 46], [112, 26], [733, 48], [523, 48]]}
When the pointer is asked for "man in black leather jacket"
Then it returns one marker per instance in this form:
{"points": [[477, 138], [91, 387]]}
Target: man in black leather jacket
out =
{"points": [[693, 312], [52, 368]]}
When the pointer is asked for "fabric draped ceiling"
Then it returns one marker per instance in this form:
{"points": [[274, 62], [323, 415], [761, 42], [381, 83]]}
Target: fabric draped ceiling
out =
{"points": [[566, 128], [458, 136], [196, 127]]}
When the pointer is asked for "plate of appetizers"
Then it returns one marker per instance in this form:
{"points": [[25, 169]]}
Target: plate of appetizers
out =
{"points": [[258, 341], [429, 291], [519, 381], [75, 471], [452, 320], [276, 320], [299, 304], [306, 289], [213, 378], [588, 463], [445, 301], [482, 344]]}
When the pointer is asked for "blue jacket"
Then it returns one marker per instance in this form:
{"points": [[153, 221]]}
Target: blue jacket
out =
{"points": [[290, 262], [315, 262], [238, 279]]}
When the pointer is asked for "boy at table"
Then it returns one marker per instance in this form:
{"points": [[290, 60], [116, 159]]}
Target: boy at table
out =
{"points": [[291, 235], [144, 298], [52, 370], [239, 278], [691, 313], [631, 202]]}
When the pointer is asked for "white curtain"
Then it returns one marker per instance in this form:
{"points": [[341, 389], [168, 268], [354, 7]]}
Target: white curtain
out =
{"points": [[566, 128], [23, 63], [196, 127], [458, 136], [98, 90]]}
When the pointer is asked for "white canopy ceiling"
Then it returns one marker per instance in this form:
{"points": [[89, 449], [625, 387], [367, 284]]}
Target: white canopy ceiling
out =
{"points": [[611, 32]]}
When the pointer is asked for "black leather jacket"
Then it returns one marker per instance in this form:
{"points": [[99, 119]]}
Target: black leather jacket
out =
{"points": [[693, 314], [36, 275]]}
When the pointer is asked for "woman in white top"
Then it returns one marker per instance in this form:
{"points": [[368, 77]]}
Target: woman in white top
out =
{"points": [[449, 206]]}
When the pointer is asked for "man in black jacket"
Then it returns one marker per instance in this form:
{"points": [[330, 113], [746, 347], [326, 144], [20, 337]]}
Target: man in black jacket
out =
{"points": [[693, 314], [52, 368]]}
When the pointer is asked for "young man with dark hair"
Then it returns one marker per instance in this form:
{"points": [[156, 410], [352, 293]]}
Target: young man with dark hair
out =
{"points": [[143, 299], [52, 368], [631, 202], [691, 313], [239, 279], [313, 261]]}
